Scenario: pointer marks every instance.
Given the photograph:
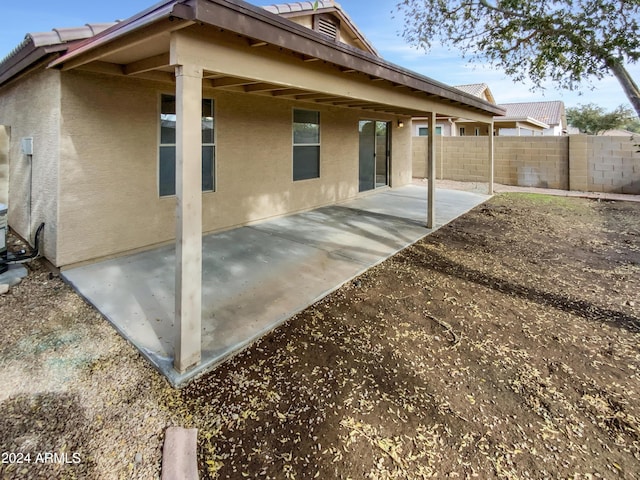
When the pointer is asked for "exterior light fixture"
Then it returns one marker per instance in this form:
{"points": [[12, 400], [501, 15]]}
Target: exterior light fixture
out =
{"points": [[400, 124]]}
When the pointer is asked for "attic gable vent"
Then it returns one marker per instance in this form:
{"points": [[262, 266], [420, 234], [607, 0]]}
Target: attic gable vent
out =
{"points": [[327, 26]]}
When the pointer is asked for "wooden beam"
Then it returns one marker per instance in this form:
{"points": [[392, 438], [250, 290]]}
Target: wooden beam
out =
{"points": [[261, 87], [104, 67], [147, 64], [188, 273], [490, 170], [230, 82], [431, 171], [327, 99], [150, 33], [288, 92]]}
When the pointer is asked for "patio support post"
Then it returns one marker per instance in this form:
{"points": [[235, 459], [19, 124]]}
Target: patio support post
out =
{"points": [[188, 318], [431, 171], [490, 171]]}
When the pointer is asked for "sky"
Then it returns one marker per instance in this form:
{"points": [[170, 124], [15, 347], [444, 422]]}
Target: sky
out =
{"points": [[380, 25]]}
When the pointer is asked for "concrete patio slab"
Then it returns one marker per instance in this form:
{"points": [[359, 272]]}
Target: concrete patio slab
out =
{"points": [[258, 276]]}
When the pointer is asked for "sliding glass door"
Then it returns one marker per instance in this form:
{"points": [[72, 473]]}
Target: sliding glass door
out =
{"points": [[374, 154]]}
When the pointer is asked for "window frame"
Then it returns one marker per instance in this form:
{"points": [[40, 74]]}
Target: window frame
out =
{"points": [[426, 131], [294, 144], [160, 145]]}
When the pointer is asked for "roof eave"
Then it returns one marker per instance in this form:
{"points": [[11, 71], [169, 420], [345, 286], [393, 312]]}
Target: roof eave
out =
{"points": [[283, 33], [25, 58], [320, 47], [529, 120]]}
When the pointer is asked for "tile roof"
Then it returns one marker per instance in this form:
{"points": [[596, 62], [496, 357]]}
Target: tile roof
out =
{"points": [[550, 113], [59, 36], [301, 8], [281, 8], [478, 90]]}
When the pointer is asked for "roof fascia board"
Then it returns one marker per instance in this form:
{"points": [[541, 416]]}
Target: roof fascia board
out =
{"points": [[231, 55], [160, 11], [262, 25], [529, 120], [271, 28], [28, 56]]}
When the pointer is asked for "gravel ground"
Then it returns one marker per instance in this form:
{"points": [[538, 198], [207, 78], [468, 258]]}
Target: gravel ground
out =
{"points": [[505, 345]]}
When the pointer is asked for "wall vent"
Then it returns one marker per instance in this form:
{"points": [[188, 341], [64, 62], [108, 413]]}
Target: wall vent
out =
{"points": [[327, 27]]}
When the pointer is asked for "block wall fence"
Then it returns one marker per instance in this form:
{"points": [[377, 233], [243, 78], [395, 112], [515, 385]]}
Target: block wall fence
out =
{"points": [[576, 162]]}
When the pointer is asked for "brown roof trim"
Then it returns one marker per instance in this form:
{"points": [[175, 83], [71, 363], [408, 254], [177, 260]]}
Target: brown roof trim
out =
{"points": [[26, 56], [275, 30], [37, 47], [265, 26]]}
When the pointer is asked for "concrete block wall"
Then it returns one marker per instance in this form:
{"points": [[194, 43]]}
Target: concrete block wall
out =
{"points": [[577, 162], [457, 158], [613, 164], [532, 161]]}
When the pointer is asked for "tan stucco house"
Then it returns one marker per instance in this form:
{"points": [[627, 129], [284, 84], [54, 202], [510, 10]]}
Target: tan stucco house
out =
{"points": [[195, 116], [519, 119]]}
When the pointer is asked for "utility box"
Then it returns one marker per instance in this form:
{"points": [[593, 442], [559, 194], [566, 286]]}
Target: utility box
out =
{"points": [[3, 238]]}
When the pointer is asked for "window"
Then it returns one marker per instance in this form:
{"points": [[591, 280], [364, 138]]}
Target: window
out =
{"points": [[306, 144], [424, 131], [477, 132], [462, 131], [167, 150]]}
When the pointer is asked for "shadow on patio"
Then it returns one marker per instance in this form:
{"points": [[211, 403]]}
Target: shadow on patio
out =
{"points": [[258, 276]]}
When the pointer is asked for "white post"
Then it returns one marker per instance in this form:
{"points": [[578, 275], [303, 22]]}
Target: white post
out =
{"points": [[188, 216], [431, 171], [491, 160]]}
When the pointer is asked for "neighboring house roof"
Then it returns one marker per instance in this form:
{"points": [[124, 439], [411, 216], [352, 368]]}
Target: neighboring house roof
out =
{"points": [[618, 133], [41, 44], [297, 9], [552, 113], [480, 90], [121, 49]]}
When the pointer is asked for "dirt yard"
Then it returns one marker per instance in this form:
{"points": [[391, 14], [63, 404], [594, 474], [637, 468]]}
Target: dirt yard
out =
{"points": [[505, 345]]}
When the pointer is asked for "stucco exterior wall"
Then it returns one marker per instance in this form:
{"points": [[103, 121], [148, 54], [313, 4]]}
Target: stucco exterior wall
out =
{"points": [[4, 164], [109, 200], [32, 109]]}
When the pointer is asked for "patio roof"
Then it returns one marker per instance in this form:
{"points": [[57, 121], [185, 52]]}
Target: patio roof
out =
{"points": [[140, 46]]}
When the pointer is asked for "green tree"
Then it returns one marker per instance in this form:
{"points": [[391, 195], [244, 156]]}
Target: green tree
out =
{"points": [[633, 125], [592, 119], [567, 41]]}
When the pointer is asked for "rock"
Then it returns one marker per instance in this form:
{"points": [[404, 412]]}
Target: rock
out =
{"points": [[138, 458], [4, 288], [179, 454]]}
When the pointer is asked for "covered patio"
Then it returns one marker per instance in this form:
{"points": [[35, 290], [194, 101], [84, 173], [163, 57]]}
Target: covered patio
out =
{"points": [[230, 49], [256, 277]]}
